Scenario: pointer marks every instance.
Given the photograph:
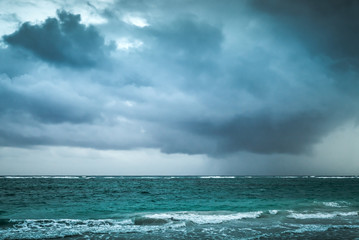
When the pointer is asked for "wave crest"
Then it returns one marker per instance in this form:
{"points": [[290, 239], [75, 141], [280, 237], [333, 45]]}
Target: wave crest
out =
{"points": [[320, 215], [205, 217]]}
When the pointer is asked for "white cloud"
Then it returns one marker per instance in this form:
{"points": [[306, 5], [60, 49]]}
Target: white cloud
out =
{"points": [[125, 44], [90, 18], [136, 21]]}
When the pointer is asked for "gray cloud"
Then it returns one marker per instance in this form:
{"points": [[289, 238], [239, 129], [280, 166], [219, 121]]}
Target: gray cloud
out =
{"points": [[9, 138], [203, 81], [188, 43], [263, 134], [187, 38], [43, 108], [328, 28], [63, 40], [15, 63]]}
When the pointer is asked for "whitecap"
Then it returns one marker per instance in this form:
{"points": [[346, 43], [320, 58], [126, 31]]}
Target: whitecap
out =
{"points": [[288, 177], [205, 217], [59, 228], [308, 228], [321, 215], [64, 177], [273, 212], [17, 177], [217, 177], [335, 204], [336, 177]]}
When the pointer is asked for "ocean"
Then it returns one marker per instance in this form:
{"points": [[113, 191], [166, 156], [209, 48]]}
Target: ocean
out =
{"points": [[188, 207]]}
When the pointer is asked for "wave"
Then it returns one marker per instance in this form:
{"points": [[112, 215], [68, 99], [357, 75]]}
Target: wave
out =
{"points": [[289, 176], [64, 177], [273, 212], [303, 228], [307, 228], [204, 217], [336, 177], [321, 215], [15, 177], [150, 221], [160, 223], [34, 177], [338, 204], [60, 228], [217, 177]]}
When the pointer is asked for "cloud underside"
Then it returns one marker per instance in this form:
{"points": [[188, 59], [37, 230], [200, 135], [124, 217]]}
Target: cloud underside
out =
{"points": [[276, 79]]}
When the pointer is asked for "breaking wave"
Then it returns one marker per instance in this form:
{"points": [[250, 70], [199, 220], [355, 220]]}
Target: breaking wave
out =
{"points": [[217, 177], [321, 215], [59, 228], [205, 217]]}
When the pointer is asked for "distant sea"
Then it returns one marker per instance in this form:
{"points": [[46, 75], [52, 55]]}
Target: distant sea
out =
{"points": [[189, 207]]}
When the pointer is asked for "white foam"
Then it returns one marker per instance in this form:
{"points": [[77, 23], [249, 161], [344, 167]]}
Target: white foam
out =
{"points": [[51, 228], [308, 228], [336, 177], [218, 177], [321, 215], [331, 204], [14, 177], [148, 177], [288, 176], [64, 177], [205, 217], [26, 177], [273, 212], [335, 204]]}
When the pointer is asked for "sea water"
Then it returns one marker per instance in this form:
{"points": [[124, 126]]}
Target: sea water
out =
{"points": [[189, 207]]}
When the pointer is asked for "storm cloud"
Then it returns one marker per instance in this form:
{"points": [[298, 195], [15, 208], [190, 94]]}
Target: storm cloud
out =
{"points": [[220, 79], [62, 40], [328, 28]]}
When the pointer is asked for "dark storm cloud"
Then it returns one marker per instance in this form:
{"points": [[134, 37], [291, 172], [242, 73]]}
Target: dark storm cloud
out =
{"points": [[63, 40], [263, 134], [328, 27], [204, 81]]}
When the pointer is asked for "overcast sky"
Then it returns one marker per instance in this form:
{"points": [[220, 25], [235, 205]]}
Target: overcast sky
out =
{"points": [[133, 87]]}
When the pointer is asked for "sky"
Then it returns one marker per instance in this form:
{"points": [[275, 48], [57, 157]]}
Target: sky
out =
{"points": [[179, 87]]}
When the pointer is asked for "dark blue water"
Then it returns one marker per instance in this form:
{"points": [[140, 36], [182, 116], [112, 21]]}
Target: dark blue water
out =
{"points": [[179, 207]]}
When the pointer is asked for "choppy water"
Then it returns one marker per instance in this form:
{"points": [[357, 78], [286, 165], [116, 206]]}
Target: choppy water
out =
{"points": [[212, 207]]}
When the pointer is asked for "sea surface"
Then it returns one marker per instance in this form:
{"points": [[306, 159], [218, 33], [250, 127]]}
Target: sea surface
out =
{"points": [[190, 207]]}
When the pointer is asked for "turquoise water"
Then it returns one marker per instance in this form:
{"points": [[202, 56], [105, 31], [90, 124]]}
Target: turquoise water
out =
{"points": [[207, 207]]}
